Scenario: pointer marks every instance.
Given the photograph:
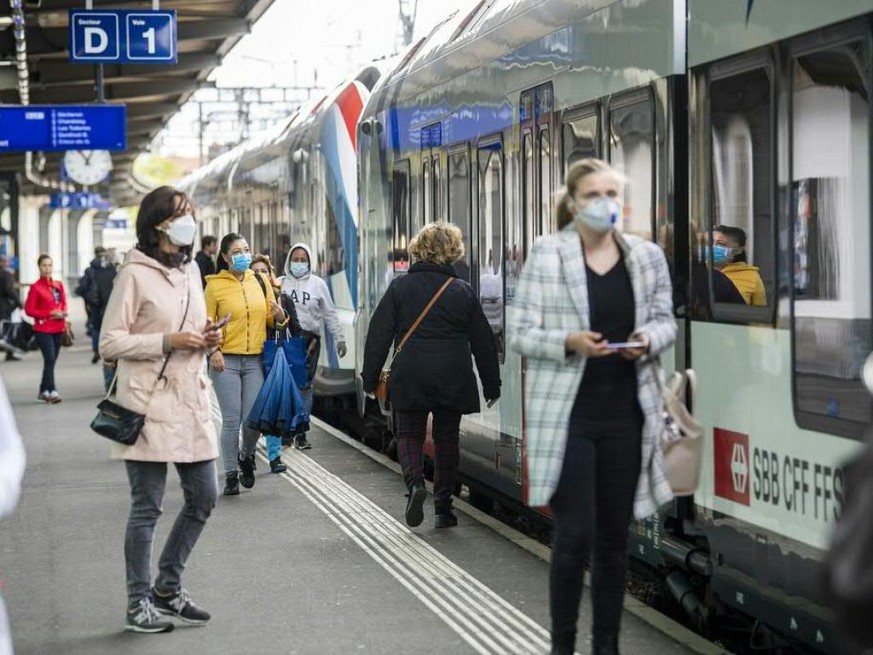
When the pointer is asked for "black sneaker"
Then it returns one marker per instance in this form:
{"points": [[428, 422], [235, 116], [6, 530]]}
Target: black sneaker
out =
{"points": [[445, 520], [301, 443], [231, 484], [276, 466], [247, 471], [414, 504], [181, 606], [145, 618], [95, 358]]}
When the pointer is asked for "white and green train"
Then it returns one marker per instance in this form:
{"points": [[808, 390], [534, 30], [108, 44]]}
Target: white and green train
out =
{"points": [[750, 114]]}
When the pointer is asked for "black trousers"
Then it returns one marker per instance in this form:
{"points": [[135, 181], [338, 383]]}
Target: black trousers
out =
{"points": [[592, 508], [50, 345], [410, 432]]}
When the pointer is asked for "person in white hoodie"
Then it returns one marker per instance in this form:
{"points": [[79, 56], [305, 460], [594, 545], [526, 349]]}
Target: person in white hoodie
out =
{"points": [[311, 297], [11, 472]]}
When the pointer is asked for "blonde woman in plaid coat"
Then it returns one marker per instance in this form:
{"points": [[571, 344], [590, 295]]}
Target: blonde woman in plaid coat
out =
{"points": [[592, 409]]}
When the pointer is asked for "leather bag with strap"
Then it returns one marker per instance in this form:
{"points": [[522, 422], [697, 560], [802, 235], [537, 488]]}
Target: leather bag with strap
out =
{"points": [[682, 434], [383, 386]]}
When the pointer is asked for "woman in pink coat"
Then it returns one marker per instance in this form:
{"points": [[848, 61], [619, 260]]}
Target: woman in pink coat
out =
{"points": [[156, 316]]}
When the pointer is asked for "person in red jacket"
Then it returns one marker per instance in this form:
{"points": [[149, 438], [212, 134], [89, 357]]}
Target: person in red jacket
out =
{"points": [[47, 305]]}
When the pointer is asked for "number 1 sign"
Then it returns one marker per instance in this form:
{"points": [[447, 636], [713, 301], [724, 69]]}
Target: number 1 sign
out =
{"points": [[111, 36]]}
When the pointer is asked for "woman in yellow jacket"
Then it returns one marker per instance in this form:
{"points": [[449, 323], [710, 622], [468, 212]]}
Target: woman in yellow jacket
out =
{"points": [[729, 256], [234, 298]]}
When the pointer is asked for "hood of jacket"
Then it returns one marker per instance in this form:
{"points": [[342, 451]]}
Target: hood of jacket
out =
{"points": [[137, 257], [225, 277], [288, 260], [741, 268]]}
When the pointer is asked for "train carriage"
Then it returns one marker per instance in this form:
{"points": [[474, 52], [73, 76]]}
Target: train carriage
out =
{"points": [[749, 117]]}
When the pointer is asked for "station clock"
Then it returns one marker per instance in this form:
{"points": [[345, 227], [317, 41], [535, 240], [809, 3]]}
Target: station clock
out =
{"points": [[88, 167]]}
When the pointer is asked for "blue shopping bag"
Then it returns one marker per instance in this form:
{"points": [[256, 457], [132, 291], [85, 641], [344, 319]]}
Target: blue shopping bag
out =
{"points": [[294, 349]]}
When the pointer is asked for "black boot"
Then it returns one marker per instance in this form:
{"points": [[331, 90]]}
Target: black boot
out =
{"points": [[247, 471], [415, 504], [444, 517], [231, 484], [604, 645]]}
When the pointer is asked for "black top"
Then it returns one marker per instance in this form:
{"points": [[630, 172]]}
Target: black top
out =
{"points": [[609, 385], [206, 265], [434, 370]]}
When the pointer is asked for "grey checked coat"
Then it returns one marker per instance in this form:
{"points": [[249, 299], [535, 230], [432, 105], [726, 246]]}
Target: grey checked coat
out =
{"points": [[550, 303]]}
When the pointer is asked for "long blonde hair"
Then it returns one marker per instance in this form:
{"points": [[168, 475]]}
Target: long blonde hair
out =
{"points": [[579, 171]]}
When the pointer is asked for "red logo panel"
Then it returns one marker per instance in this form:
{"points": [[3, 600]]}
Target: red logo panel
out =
{"points": [[732, 466]]}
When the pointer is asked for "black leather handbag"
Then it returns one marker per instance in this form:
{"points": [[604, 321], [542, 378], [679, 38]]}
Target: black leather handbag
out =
{"points": [[118, 423]]}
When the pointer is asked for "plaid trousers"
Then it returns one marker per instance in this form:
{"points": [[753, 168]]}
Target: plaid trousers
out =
{"points": [[410, 431]]}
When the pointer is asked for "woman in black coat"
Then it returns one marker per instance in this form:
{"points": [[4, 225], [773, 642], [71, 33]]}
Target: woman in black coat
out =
{"points": [[433, 374]]}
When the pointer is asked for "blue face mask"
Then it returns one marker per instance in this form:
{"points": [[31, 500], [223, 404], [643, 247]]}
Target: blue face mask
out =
{"points": [[720, 254], [299, 269], [241, 261]]}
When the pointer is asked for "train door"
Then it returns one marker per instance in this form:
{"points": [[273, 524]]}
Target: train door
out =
{"points": [[459, 204], [537, 178], [431, 175]]}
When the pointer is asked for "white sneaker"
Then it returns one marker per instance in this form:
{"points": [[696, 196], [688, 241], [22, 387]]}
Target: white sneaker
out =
{"points": [[43, 395], [53, 397]]}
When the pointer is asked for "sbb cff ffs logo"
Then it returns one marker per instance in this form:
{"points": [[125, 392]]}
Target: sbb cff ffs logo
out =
{"points": [[732, 466]]}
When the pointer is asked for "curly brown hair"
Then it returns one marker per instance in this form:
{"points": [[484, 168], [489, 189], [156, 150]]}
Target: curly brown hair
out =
{"points": [[438, 243]]}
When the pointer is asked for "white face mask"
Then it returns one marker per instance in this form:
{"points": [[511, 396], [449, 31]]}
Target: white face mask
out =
{"points": [[599, 215], [181, 231]]}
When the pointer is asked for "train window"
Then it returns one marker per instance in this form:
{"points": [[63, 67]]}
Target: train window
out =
{"points": [[830, 173], [741, 259], [402, 209], [332, 255], [460, 207], [580, 139], [437, 190], [491, 241], [528, 207], [426, 192], [632, 151], [545, 145]]}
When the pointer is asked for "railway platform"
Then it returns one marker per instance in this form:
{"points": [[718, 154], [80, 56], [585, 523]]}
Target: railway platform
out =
{"points": [[313, 561]]}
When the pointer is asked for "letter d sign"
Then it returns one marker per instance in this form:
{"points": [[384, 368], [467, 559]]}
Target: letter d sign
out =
{"points": [[96, 40]]}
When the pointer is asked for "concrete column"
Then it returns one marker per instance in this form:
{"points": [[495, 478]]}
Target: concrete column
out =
{"points": [[30, 228]]}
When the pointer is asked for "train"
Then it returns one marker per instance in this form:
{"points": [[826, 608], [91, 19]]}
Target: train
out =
{"points": [[754, 115]]}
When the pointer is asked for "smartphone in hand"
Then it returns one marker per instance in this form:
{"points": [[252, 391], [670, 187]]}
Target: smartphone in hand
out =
{"points": [[625, 345], [215, 327]]}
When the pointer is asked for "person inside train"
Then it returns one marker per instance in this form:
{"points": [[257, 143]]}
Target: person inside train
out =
{"points": [[433, 373], [155, 328], [723, 290], [312, 299], [729, 256], [234, 299], [266, 274], [593, 308]]}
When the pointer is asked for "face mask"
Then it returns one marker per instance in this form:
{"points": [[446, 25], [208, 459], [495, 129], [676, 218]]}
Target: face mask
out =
{"points": [[241, 261], [720, 254], [299, 269], [181, 231], [600, 215]]}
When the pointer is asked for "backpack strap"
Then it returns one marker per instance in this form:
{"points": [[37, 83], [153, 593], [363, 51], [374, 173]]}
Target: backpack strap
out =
{"points": [[261, 282]]}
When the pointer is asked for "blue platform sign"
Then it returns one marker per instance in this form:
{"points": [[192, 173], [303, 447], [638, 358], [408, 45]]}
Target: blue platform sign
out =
{"points": [[62, 127], [79, 201], [123, 37]]}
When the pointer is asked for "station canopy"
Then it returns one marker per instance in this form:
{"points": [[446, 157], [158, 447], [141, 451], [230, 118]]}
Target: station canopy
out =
{"points": [[207, 31]]}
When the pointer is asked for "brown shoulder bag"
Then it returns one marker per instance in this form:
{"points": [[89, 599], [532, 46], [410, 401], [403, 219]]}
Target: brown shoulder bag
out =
{"points": [[384, 383]]}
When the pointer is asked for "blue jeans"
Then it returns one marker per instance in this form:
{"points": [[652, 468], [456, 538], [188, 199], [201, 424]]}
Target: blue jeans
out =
{"points": [[237, 388], [148, 480], [50, 345], [274, 446]]}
